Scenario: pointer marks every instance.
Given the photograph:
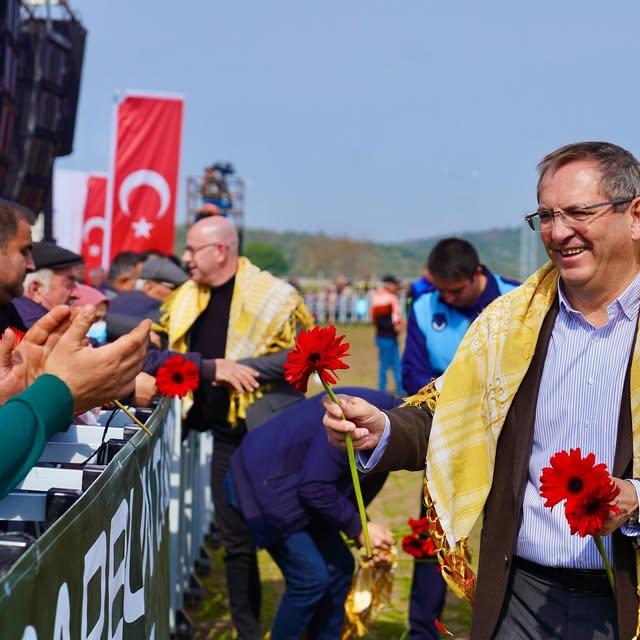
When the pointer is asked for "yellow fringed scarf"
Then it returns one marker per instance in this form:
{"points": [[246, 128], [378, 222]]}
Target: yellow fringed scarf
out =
{"points": [[477, 390], [263, 317]]}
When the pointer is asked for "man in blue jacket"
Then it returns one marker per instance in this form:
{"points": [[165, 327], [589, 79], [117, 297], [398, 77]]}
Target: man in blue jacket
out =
{"points": [[439, 318], [294, 490]]}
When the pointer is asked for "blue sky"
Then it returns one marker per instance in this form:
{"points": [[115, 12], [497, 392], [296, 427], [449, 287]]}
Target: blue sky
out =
{"points": [[376, 119]]}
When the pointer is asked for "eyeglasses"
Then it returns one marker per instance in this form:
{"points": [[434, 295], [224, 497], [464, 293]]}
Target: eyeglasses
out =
{"points": [[194, 250], [573, 217]]}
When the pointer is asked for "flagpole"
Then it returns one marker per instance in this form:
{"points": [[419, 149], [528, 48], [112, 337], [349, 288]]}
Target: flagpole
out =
{"points": [[108, 205]]}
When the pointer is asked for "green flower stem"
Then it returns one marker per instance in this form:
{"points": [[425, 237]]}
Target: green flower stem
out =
{"points": [[354, 477], [598, 540], [131, 416]]}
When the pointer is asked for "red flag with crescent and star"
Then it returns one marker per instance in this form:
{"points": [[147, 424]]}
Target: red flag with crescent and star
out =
{"points": [[93, 221], [142, 197]]}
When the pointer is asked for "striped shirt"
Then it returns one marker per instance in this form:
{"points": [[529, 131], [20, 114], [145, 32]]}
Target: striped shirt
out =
{"points": [[578, 406]]}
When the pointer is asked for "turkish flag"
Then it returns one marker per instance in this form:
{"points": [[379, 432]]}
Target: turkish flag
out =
{"points": [[142, 198], [93, 221]]}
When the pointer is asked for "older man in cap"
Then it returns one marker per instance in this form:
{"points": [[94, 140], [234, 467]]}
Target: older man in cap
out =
{"points": [[51, 283], [158, 279]]}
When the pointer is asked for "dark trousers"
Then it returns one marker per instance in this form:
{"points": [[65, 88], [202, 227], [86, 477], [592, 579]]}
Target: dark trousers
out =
{"points": [[317, 567], [539, 608], [240, 561], [428, 591]]}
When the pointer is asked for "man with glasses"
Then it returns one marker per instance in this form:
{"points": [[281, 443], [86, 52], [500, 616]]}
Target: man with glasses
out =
{"points": [[242, 321], [553, 365]]}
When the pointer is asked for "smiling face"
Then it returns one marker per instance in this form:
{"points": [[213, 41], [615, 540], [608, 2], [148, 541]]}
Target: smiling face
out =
{"points": [[598, 259]]}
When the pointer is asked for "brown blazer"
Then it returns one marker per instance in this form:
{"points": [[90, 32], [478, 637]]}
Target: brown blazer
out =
{"points": [[407, 449]]}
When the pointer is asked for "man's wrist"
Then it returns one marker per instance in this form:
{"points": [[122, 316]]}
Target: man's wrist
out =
{"points": [[633, 518]]}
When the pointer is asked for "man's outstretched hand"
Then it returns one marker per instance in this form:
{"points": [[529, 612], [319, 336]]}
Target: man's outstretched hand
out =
{"points": [[20, 366], [364, 422], [96, 376]]}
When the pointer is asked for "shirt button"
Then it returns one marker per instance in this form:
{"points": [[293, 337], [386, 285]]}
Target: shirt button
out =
{"points": [[590, 381]]}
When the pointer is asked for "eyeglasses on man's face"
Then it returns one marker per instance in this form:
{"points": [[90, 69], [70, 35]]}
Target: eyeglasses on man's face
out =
{"points": [[193, 250], [572, 217]]}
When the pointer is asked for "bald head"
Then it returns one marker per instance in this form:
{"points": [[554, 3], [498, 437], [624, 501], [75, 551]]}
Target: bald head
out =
{"points": [[218, 229], [211, 252]]}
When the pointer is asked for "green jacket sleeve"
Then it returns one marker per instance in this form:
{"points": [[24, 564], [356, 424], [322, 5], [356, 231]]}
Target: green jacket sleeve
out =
{"points": [[27, 421]]}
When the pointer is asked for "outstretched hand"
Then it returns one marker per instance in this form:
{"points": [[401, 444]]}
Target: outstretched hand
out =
{"points": [[236, 376], [96, 376], [363, 421], [21, 365]]}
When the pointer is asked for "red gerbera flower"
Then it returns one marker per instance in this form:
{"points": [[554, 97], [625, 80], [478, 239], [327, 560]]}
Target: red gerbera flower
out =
{"points": [[428, 548], [316, 351], [412, 545], [419, 526], [570, 476], [587, 513], [177, 376]]}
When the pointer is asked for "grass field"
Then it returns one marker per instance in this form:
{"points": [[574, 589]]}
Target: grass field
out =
{"points": [[398, 500]]}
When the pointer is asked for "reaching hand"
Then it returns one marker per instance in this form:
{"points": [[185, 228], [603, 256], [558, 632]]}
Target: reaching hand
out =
{"points": [[363, 421], [20, 366], [237, 376], [379, 536], [96, 376], [146, 389]]}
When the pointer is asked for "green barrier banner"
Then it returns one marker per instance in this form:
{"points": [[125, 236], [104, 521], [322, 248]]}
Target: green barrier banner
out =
{"points": [[101, 572]]}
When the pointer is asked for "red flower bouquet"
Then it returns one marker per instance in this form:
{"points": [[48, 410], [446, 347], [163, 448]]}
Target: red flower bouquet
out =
{"points": [[320, 351], [419, 542], [177, 376], [588, 493]]}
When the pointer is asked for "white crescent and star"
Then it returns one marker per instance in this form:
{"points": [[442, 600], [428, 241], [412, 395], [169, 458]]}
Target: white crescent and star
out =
{"points": [[142, 228], [90, 224], [141, 178], [144, 177]]}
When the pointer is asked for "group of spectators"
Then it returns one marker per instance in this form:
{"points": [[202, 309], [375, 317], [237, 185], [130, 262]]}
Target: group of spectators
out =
{"points": [[83, 346]]}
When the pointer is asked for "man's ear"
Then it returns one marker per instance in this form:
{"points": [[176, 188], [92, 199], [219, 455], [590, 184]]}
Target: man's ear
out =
{"points": [[634, 208], [35, 290]]}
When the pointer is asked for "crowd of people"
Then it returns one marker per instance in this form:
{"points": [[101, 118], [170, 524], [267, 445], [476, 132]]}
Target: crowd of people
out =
{"points": [[497, 378]]}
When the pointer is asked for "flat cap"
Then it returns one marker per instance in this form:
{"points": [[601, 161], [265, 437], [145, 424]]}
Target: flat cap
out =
{"points": [[163, 270], [47, 255]]}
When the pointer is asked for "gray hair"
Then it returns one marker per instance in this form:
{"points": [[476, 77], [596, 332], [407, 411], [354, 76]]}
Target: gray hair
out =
{"points": [[619, 168], [43, 276]]}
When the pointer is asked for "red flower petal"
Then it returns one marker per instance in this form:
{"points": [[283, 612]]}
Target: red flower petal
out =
{"points": [[316, 351], [441, 628], [19, 335], [569, 476], [177, 376], [587, 513]]}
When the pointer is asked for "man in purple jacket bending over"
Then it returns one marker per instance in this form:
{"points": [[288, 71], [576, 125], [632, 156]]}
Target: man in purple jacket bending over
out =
{"points": [[294, 490]]}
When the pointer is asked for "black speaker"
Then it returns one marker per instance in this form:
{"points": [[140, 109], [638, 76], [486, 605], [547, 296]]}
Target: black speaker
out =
{"points": [[43, 63], [76, 35], [9, 29]]}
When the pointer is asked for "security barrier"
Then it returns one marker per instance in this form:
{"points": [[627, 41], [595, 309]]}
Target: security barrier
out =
{"points": [[101, 537]]}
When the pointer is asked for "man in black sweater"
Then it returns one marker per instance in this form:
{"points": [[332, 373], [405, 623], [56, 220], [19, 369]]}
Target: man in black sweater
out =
{"points": [[242, 322]]}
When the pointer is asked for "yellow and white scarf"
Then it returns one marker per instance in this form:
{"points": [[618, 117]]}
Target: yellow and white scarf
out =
{"points": [[477, 390], [263, 317]]}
